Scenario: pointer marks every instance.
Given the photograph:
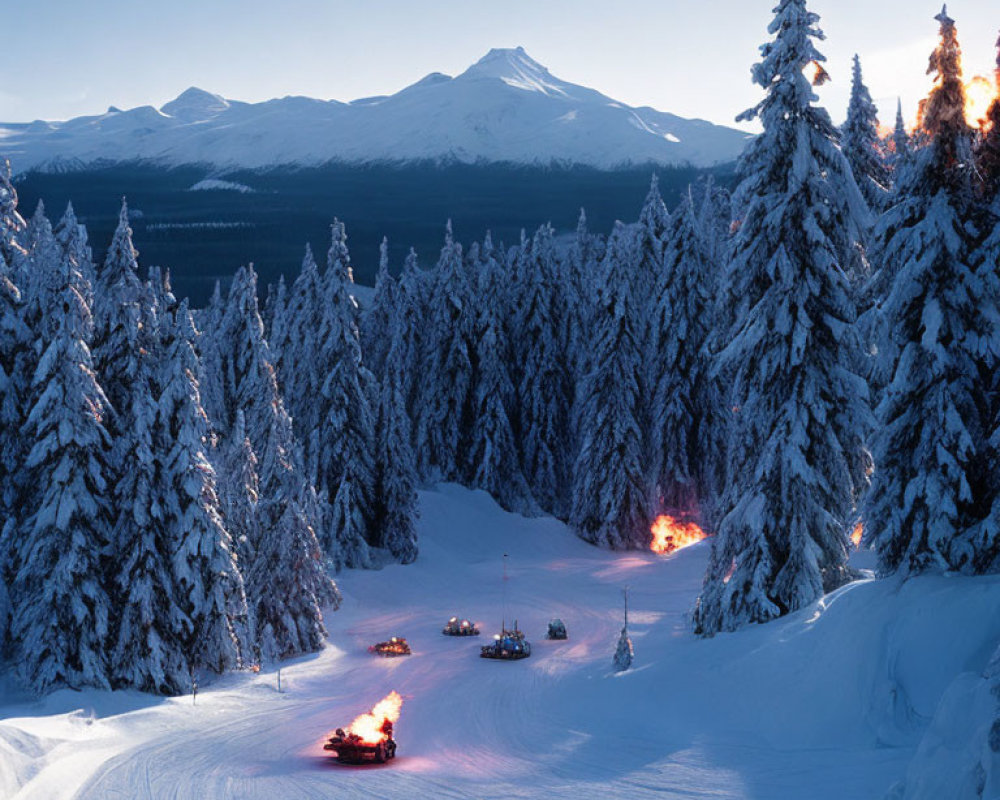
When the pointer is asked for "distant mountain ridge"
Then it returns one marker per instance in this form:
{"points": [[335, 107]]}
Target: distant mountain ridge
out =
{"points": [[506, 108]]}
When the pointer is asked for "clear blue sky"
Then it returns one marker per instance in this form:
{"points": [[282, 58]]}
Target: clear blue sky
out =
{"points": [[64, 58]]}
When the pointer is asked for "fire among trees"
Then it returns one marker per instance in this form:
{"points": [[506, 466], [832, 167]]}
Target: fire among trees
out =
{"points": [[671, 534]]}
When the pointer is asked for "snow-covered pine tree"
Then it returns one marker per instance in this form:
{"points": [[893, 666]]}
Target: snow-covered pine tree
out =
{"points": [[60, 606], [278, 327], [43, 279], [443, 425], [988, 151], [286, 580], [411, 317], [783, 540], [15, 353], [861, 143], [544, 392], [901, 147], [145, 652], [610, 504], [715, 215], [395, 497], [72, 237], [116, 296], [239, 492], [209, 605], [12, 228], [346, 431], [377, 321], [937, 348], [687, 429], [654, 220], [494, 460]]}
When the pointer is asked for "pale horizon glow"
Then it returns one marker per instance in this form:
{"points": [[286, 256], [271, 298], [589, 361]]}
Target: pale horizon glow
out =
{"points": [[691, 59]]}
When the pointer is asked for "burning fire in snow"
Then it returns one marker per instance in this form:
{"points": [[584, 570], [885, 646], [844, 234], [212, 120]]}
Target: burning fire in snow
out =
{"points": [[979, 94], [857, 533], [369, 726], [670, 534]]}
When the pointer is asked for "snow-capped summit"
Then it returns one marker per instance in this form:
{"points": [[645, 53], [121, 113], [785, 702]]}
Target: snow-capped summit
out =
{"points": [[505, 108], [195, 105]]}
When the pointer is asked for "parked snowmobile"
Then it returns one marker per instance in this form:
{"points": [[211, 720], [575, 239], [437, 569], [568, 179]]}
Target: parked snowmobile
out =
{"points": [[349, 748], [507, 645], [396, 646], [557, 630], [460, 627]]}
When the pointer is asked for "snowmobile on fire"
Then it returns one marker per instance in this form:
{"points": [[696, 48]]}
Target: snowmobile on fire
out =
{"points": [[508, 645], [349, 748], [396, 646], [460, 627]]}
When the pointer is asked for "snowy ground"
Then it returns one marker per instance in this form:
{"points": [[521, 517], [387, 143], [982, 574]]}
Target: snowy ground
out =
{"points": [[829, 703]]}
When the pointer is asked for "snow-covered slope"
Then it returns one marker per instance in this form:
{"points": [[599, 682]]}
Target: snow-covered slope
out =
{"points": [[827, 704], [505, 108]]}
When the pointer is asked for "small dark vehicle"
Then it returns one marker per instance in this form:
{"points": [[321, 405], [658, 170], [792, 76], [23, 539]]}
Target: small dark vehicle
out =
{"points": [[460, 627], [508, 645], [557, 630], [396, 646], [349, 748]]}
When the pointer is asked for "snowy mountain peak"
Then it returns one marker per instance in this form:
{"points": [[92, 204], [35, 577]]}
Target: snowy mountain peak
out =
{"points": [[195, 105], [516, 68]]}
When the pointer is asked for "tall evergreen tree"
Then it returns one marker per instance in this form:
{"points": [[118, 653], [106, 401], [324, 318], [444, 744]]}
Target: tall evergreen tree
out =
{"points": [[210, 604], [901, 147], [939, 325], [377, 321], [686, 426], [345, 430], [783, 540], [72, 237], [443, 423], [543, 391], [654, 220], [60, 606], [610, 504], [861, 143], [395, 468]]}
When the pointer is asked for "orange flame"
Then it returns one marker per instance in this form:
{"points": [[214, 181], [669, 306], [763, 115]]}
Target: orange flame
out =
{"points": [[670, 534], [980, 93], [857, 534], [369, 726]]}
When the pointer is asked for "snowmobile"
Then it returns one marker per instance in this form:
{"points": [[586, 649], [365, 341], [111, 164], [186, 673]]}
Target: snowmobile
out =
{"points": [[349, 748], [396, 646], [460, 627], [507, 645], [557, 630]]}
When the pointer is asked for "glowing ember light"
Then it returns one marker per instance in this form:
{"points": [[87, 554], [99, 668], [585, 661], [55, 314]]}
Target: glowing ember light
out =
{"points": [[857, 534], [980, 92], [731, 572], [368, 727], [670, 534]]}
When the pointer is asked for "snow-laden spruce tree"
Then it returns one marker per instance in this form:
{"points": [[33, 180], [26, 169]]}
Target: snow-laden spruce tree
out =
{"points": [[714, 207], [15, 353], [72, 237], [988, 151], [395, 496], [443, 418], [544, 392], [610, 504], [239, 491], [116, 295], [12, 227], [44, 280], [296, 332], [209, 604], [494, 458], [412, 315], [60, 605], [687, 426], [377, 321], [862, 145], [937, 346], [286, 580], [145, 652], [901, 146], [346, 430], [654, 219], [783, 540]]}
